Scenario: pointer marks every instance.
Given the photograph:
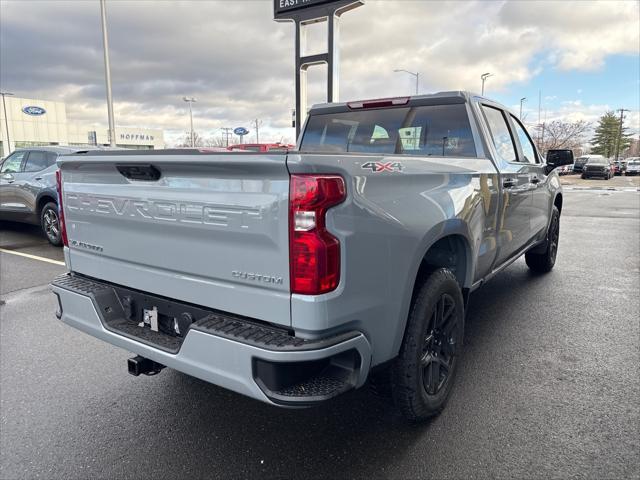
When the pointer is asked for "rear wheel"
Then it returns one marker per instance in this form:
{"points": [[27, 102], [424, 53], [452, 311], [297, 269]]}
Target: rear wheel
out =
{"points": [[422, 376], [543, 262], [50, 223]]}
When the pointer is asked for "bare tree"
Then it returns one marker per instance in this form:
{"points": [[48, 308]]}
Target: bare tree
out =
{"points": [[215, 141], [198, 141], [562, 135], [634, 148]]}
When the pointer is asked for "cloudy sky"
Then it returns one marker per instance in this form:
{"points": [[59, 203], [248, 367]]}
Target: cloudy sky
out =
{"points": [[238, 62]]}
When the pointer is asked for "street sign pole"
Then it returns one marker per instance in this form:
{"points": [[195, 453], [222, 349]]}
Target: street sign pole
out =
{"points": [[305, 14]]}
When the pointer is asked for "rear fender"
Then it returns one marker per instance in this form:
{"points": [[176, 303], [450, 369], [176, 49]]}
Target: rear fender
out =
{"points": [[447, 228]]}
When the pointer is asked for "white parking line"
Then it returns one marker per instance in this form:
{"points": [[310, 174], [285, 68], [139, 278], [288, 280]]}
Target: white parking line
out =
{"points": [[33, 257]]}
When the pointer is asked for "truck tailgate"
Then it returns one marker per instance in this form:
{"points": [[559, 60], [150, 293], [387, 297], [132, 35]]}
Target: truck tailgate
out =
{"points": [[212, 230]]}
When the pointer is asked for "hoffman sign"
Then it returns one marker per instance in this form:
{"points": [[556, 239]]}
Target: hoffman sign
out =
{"points": [[136, 136]]}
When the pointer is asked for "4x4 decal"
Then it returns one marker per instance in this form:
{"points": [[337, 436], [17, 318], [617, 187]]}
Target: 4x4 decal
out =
{"points": [[378, 167]]}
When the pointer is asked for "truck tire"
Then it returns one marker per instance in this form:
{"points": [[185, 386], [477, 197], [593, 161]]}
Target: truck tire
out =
{"points": [[543, 262], [423, 373], [50, 223]]}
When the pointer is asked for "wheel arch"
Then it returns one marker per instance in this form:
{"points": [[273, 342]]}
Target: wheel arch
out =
{"points": [[557, 201], [447, 245], [44, 198]]}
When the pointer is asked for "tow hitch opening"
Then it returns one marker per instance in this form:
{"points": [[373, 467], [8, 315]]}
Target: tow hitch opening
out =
{"points": [[139, 365]]}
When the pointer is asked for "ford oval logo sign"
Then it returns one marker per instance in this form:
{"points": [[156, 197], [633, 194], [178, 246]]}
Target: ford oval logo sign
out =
{"points": [[241, 131], [33, 110]]}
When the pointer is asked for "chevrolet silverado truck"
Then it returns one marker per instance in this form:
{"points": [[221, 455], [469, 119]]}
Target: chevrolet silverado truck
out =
{"points": [[294, 277]]}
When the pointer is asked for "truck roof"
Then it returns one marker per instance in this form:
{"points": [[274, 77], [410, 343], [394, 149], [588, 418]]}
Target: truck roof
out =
{"points": [[440, 98]]}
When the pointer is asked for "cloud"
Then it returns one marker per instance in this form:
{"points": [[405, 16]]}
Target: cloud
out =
{"points": [[579, 34], [238, 63], [576, 110]]}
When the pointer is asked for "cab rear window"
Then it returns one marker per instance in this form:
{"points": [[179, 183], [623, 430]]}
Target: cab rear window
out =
{"points": [[435, 130]]}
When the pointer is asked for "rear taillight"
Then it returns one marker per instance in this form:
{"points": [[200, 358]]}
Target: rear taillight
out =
{"points": [[314, 252], [63, 227]]}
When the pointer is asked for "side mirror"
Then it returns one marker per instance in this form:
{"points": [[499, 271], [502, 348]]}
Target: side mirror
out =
{"points": [[558, 158]]}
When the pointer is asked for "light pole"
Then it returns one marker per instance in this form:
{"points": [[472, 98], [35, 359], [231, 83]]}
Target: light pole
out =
{"points": [[484, 77], [522, 100], [6, 120], [191, 100], [227, 131], [107, 74], [415, 74], [621, 110]]}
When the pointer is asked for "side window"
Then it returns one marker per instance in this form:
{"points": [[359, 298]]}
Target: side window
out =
{"points": [[500, 134], [439, 130], [528, 150], [51, 158], [13, 163], [36, 161]]}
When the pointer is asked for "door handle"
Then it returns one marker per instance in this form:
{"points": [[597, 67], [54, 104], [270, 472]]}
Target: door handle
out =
{"points": [[535, 180], [38, 178], [509, 183]]}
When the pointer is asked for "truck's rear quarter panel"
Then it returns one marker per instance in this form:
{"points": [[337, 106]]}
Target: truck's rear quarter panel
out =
{"points": [[383, 232]]}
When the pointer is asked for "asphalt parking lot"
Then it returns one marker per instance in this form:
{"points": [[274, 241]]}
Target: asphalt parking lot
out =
{"points": [[622, 182], [548, 386]]}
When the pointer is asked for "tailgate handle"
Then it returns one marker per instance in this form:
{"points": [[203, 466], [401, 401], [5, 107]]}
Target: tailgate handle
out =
{"points": [[148, 173]]}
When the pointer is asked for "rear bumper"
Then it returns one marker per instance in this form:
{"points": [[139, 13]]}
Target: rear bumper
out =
{"points": [[289, 372]]}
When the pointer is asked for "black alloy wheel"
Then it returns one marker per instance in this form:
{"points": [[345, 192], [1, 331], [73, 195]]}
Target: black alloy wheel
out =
{"points": [[422, 376], [440, 344], [554, 237], [542, 259]]}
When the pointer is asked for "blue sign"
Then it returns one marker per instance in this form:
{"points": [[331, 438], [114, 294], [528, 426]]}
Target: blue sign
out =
{"points": [[33, 110], [241, 131]]}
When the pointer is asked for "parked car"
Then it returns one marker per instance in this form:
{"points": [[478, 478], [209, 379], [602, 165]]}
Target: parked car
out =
{"points": [[28, 188], [619, 167], [260, 147], [633, 166], [565, 170], [581, 161], [293, 277], [598, 167]]}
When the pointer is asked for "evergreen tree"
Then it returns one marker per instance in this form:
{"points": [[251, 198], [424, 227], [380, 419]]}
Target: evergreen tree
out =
{"points": [[608, 134]]}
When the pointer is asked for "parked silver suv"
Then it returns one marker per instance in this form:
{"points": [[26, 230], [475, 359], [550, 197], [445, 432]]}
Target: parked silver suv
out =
{"points": [[28, 188]]}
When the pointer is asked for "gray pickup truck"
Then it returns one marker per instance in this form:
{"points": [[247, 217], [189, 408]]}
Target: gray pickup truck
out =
{"points": [[294, 277]]}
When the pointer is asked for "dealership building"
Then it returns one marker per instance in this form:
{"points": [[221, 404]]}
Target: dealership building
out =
{"points": [[31, 122]]}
